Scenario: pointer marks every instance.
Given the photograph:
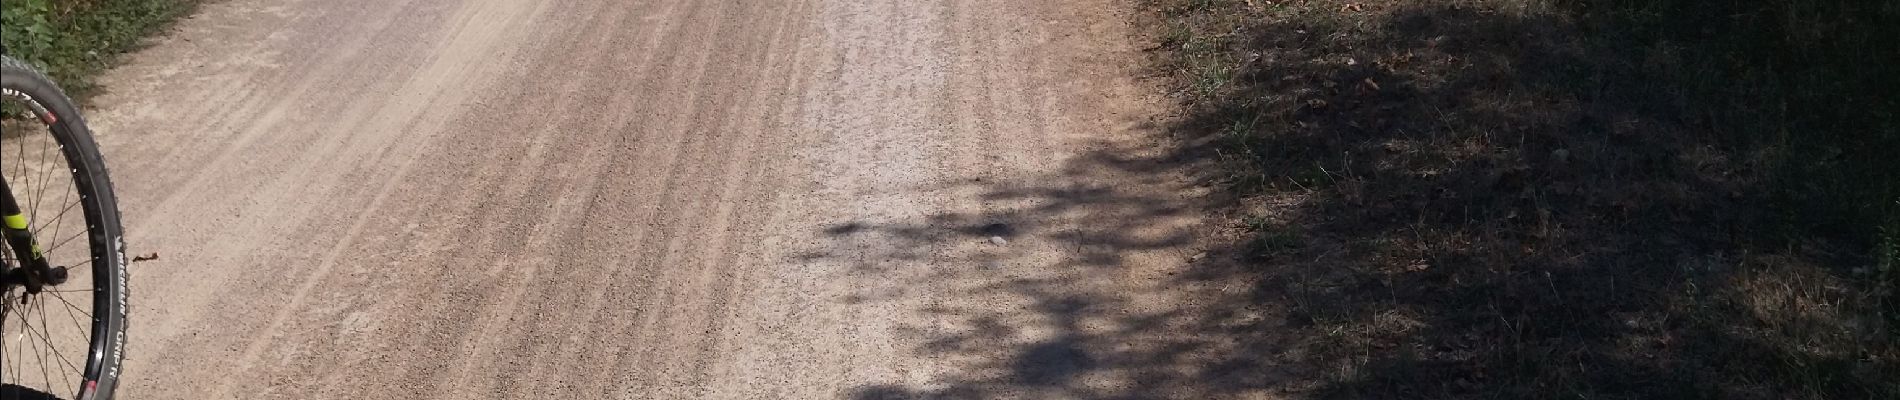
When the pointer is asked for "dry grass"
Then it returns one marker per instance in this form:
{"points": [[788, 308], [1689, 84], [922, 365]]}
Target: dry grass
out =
{"points": [[1531, 199]]}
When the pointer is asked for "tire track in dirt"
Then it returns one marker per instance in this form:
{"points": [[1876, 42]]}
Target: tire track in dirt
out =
{"points": [[608, 199]]}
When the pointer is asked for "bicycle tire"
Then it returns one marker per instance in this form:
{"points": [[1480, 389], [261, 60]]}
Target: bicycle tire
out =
{"points": [[105, 343]]}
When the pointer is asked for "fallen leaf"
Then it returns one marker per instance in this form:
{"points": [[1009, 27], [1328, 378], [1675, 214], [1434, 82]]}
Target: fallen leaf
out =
{"points": [[147, 257], [1372, 85]]}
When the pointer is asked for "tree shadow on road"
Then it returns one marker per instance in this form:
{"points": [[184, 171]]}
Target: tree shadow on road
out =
{"points": [[1440, 201], [1070, 326]]}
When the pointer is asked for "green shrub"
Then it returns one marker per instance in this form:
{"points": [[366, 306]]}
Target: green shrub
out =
{"points": [[72, 40]]}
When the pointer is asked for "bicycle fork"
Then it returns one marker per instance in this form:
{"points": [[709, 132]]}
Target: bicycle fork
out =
{"points": [[34, 272]]}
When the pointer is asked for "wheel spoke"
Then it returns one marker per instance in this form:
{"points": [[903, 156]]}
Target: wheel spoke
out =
{"points": [[47, 339], [46, 332], [24, 326], [38, 355], [58, 216], [21, 141], [62, 242], [34, 210], [69, 291], [70, 308], [4, 364]]}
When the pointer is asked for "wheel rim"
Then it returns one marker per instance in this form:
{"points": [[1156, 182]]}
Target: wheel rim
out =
{"points": [[49, 345]]}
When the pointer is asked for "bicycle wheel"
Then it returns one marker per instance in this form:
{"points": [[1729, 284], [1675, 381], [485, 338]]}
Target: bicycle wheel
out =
{"points": [[62, 311]]}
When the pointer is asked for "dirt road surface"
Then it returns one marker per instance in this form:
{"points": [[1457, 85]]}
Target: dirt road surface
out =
{"points": [[608, 199]]}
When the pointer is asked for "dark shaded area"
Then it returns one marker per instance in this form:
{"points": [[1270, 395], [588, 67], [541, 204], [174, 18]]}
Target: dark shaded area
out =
{"points": [[1073, 328], [1052, 363], [1469, 199], [17, 392], [1580, 199]]}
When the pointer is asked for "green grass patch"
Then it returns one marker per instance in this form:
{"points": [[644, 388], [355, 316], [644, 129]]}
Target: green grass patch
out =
{"points": [[74, 40]]}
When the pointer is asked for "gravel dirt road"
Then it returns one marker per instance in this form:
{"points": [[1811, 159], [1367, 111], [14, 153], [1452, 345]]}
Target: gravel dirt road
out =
{"points": [[607, 199]]}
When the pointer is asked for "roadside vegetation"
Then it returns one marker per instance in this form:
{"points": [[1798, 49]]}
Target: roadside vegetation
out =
{"points": [[74, 40], [1556, 199]]}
